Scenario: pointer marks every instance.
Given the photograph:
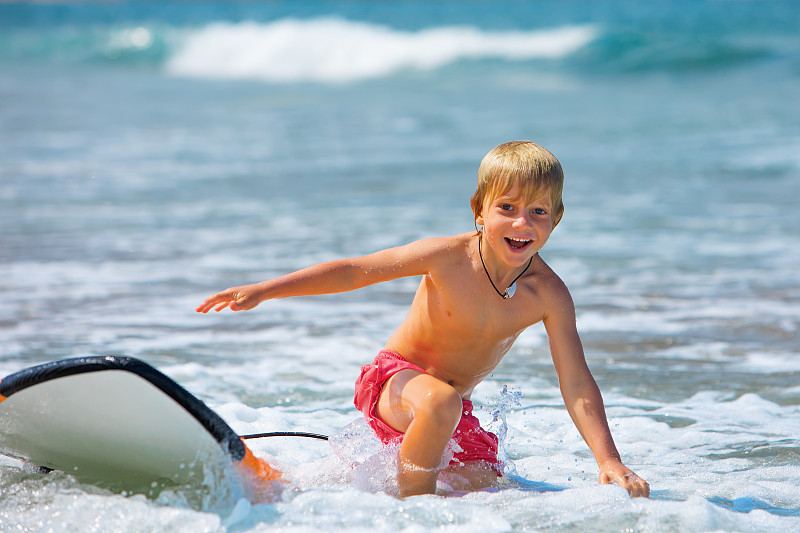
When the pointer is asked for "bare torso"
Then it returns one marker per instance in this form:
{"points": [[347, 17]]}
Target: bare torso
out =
{"points": [[458, 328]]}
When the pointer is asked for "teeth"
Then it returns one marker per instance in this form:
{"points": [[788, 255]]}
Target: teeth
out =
{"points": [[516, 242]]}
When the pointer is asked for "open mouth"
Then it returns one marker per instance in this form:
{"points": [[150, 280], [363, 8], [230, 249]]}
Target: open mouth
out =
{"points": [[517, 244]]}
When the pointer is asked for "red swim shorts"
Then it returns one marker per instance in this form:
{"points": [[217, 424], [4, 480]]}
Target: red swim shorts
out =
{"points": [[475, 443]]}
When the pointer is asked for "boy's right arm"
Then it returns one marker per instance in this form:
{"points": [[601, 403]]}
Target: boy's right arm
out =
{"points": [[414, 259]]}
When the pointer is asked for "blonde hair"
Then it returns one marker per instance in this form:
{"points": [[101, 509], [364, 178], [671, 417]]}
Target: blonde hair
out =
{"points": [[533, 169]]}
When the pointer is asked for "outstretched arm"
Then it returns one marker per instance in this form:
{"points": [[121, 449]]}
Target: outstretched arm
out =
{"points": [[331, 277], [582, 396]]}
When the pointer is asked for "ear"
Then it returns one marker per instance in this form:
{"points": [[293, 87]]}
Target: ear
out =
{"points": [[479, 220]]}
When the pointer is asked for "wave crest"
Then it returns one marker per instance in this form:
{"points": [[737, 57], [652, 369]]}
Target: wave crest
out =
{"points": [[335, 50]]}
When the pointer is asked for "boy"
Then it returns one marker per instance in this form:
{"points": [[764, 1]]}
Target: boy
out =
{"points": [[478, 292]]}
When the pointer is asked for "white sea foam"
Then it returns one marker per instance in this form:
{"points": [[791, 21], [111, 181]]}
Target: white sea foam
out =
{"points": [[702, 474], [337, 50]]}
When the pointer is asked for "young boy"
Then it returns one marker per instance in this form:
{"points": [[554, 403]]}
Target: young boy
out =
{"points": [[478, 292]]}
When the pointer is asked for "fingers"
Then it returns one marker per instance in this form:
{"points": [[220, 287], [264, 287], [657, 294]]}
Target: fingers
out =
{"points": [[207, 305], [643, 490], [633, 484], [204, 307], [636, 486], [218, 302], [241, 298]]}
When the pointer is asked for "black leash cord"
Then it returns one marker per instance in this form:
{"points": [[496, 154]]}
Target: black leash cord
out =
{"points": [[284, 434]]}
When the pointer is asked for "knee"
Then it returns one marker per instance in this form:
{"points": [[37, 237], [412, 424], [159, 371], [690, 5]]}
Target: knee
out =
{"points": [[442, 406]]}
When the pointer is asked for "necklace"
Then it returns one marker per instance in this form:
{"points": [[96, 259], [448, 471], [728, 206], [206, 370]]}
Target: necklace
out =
{"points": [[509, 292]]}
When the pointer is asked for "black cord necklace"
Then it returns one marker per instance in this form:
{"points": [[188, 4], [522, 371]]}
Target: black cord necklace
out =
{"points": [[509, 292]]}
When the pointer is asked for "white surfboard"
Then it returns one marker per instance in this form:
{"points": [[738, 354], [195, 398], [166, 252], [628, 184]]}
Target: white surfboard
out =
{"points": [[118, 423]]}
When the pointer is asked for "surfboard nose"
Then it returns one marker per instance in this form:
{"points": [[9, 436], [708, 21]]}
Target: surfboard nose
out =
{"points": [[119, 423]]}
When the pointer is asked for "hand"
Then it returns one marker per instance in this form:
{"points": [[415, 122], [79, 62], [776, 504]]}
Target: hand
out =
{"points": [[241, 298], [619, 474]]}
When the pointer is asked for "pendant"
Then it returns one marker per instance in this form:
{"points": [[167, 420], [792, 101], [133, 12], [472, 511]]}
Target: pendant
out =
{"points": [[510, 291]]}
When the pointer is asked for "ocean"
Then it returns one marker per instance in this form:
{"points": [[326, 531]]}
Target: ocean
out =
{"points": [[153, 153]]}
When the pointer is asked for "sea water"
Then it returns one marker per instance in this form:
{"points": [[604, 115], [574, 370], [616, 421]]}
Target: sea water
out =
{"points": [[154, 153]]}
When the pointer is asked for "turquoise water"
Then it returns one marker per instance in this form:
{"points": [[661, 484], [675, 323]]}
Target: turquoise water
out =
{"points": [[154, 153]]}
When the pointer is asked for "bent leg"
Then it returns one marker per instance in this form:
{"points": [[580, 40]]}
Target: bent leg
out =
{"points": [[427, 410]]}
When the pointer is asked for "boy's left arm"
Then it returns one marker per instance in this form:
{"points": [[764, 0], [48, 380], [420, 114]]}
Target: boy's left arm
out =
{"points": [[582, 396]]}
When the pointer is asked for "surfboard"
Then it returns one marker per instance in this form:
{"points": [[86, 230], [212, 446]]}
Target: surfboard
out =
{"points": [[118, 423]]}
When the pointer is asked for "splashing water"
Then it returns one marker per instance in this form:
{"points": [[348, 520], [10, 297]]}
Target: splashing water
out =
{"points": [[507, 399]]}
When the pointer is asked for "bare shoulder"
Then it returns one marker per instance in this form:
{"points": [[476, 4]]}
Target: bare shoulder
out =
{"points": [[553, 293], [444, 249], [424, 256], [449, 243]]}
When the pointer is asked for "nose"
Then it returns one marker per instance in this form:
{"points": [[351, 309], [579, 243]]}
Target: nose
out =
{"points": [[521, 221]]}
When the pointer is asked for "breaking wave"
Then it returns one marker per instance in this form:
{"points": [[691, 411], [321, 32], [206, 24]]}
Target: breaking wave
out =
{"points": [[336, 50]]}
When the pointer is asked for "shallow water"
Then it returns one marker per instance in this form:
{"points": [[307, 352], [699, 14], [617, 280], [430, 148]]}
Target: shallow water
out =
{"points": [[138, 174]]}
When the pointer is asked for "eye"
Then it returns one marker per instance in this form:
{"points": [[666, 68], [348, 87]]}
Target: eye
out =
{"points": [[540, 211], [506, 207]]}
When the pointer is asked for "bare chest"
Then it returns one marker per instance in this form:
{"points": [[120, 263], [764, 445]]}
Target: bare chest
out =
{"points": [[476, 306]]}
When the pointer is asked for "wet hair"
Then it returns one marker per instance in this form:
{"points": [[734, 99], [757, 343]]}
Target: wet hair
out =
{"points": [[534, 170]]}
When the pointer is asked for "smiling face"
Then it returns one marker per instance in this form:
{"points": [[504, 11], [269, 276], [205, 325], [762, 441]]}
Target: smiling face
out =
{"points": [[520, 169], [515, 227]]}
